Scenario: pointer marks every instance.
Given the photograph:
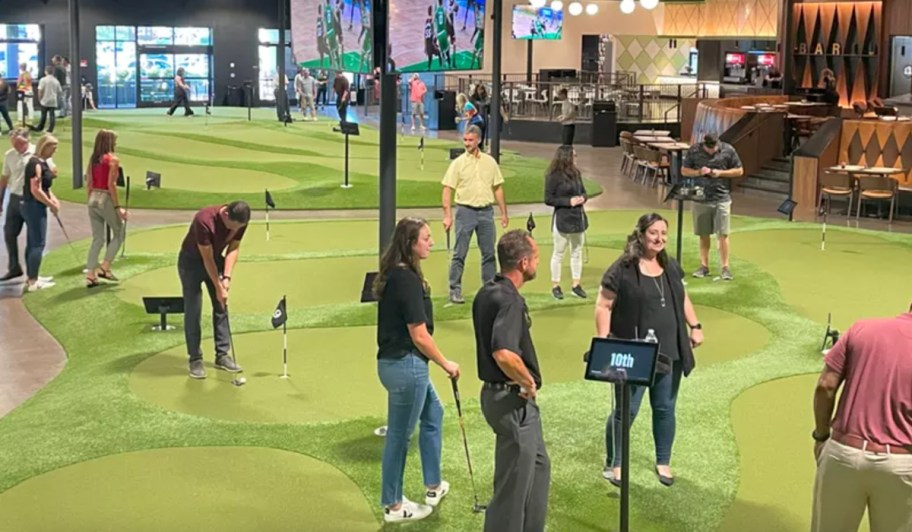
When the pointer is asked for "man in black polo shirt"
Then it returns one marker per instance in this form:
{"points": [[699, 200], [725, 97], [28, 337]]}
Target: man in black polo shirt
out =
{"points": [[509, 368]]}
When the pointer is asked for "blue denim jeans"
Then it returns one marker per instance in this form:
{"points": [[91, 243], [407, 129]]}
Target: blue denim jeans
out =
{"points": [[411, 399], [663, 395], [35, 214]]}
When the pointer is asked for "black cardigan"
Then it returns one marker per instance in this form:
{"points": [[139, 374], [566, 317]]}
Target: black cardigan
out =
{"points": [[627, 312], [559, 190]]}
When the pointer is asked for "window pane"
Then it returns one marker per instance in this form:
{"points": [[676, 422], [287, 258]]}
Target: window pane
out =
{"points": [[14, 54], [157, 91], [267, 62], [126, 74], [156, 66], [194, 65], [193, 36], [126, 33], [107, 74], [199, 90], [26, 32], [104, 33], [155, 35]]}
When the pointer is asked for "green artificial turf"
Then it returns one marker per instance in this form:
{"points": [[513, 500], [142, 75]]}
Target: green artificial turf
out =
{"points": [[755, 336], [302, 165], [199, 488]]}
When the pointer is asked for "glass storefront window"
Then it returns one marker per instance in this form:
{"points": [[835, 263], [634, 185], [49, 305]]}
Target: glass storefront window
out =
{"points": [[104, 33], [155, 35], [14, 54], [126, 33], [20, 32], [193, 36], [266, 53]]}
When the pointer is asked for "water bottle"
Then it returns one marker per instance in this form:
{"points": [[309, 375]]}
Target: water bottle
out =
{"points": [[651, 337]]}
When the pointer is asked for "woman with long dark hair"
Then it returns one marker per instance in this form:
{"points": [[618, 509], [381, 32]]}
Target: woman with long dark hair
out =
{"points": [[643, 294], [405, 325], [565, 192], [104, 207]]}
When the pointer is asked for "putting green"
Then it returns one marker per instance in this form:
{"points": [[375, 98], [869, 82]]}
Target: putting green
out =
{"points": [[334, 377], [777, 458], [857, 267], [200, 488]]}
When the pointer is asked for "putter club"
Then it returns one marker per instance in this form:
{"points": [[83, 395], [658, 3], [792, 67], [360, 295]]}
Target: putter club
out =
{"points": [[237, 380], [477, 508], [67, 236]]}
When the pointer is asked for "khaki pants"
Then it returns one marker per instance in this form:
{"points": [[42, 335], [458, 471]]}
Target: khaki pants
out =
{"points": [[849, 479], [101, 213]]}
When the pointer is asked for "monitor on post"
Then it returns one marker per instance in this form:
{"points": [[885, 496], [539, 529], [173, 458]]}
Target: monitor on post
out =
{"points": [[607, 356]]}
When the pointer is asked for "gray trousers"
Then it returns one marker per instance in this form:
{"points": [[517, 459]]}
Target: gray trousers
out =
{"points": [[193, 274], [102, 214], [522, 469], [481, 222]]}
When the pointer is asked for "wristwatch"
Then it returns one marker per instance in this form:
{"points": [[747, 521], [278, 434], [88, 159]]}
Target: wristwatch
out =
{"points": [[818, 438], [698, 326]]}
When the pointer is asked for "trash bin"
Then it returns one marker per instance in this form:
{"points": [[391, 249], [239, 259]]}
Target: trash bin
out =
{"points": [[604, 124]]}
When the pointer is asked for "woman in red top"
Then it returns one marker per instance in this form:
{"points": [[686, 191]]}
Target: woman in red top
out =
{"points": [[104, 207]]}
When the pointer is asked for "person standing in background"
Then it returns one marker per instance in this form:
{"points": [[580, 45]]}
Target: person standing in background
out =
{"points": [[26, 94], [322, 80], [37, 198], [13, 177], [342, 88], [567, 118], [104, 207], [306, 89], [48, 96], [67, 87], [181, 94], [417, 90], [864, 452], [4, 104], [565, 192], [61, 75]]}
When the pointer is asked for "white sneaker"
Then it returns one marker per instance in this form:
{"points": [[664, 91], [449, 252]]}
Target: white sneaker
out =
{"points": [[39, 285], [46, 279], [408, 511], [433, 497]]}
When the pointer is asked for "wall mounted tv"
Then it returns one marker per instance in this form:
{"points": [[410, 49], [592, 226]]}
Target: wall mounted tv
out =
{"points": [[539, 24]]}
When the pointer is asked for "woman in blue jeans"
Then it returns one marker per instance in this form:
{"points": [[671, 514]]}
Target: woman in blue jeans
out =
{"points": [[405, 323], [642, 291], [37, 198]]}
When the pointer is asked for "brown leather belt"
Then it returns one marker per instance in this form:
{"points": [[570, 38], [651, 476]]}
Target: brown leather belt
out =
{"points": [[869, 446]]}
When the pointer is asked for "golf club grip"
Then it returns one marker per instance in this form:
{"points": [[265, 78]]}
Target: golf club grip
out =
{"points": [[458, 400]]}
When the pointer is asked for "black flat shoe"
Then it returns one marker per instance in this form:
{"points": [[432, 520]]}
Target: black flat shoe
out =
{"points": [[663, 480]]}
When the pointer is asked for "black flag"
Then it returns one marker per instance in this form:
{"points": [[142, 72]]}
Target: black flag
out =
{"points": [[279, 317], [530, 224], [421, 144], [269, 202]]}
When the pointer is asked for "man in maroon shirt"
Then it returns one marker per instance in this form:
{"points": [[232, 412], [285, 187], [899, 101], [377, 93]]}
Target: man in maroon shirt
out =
{"points": [[866, 461], [208, 255]]}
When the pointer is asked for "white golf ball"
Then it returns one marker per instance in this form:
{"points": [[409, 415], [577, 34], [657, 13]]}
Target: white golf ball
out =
{"points": [[242, 380]]}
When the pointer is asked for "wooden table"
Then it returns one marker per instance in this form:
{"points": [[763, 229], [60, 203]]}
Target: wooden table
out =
{"points": [[652, 132]]}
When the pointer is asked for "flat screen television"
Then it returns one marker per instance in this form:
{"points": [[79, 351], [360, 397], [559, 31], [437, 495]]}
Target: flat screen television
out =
{"points": [[543, 23]]}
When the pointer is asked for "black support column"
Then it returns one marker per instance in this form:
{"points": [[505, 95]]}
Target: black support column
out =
{"points": [[388, 96], [280, 49], [75, 92], [497, 85]]}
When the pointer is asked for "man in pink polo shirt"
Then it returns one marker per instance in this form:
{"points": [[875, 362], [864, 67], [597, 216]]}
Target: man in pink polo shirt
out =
{"points": [[417, 90], [866, 459]]}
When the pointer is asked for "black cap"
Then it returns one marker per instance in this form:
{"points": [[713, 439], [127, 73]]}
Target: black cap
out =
{"points": [[710, 140]]}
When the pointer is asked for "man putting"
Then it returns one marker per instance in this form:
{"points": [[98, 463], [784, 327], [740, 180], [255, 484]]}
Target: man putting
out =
{"points": [[208, 255]]}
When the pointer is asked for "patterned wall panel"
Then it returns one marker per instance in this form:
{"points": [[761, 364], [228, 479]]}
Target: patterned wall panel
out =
{"points": [[842, 36], [650, 57], [722, 18], [878, 143]]}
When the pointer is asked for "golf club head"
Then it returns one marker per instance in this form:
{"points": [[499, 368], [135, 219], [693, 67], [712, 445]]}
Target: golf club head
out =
{"points": [[478, 508]]}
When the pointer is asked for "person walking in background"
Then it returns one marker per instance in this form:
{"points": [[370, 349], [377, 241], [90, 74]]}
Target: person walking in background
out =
{"points": [[104, 207], [643, 292], [208, 255], [482, 104], [342, 88], [567, 118], [322, 80], [864, 452], [61, 76], [509, 370], [37, 198], [417, 90], [4, 103], [67, 87], [564, 191], [88, 98], [181, 94], [48, 96], [476, 179], [405, 343], [13, 177], [467, 114], [306, 89], [25, 93], [713, 163]]}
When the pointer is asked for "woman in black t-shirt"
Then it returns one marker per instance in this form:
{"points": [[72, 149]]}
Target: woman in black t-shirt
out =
{"points": [[37, 198], [405, 323], [642, 291]]}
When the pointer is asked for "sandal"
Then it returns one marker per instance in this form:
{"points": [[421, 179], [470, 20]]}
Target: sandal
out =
{"points": [[92, 283], [107, 275]]}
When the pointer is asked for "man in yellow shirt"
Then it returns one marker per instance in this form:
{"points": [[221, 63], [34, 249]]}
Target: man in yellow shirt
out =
{"points": [[478, 183]]}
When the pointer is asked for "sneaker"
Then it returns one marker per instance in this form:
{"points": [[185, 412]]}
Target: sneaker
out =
{"points": [[11, 276], [408, 511], [46, 279], [433, 497], [702, 272], [557, 293], [226, 363], [39, 285], [197, 371], [456, 297], [726, 274], [380, 431], [579, 292]]}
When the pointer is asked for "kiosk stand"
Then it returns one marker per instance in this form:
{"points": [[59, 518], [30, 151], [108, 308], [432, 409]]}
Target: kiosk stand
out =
{"points": [[347, 129], [163, 306], [623, 363]]}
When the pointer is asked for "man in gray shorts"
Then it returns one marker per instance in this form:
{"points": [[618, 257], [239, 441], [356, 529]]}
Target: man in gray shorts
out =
{"points": [[713, 163]]}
